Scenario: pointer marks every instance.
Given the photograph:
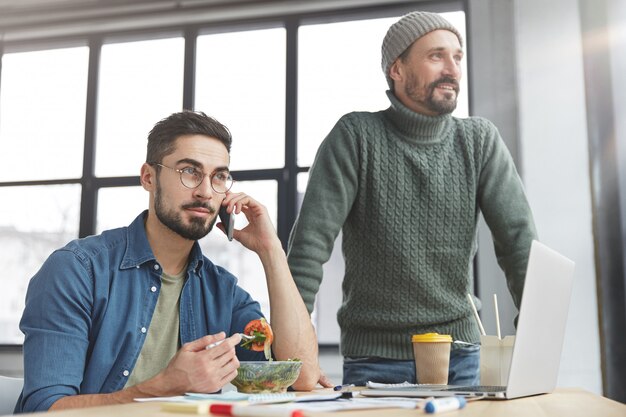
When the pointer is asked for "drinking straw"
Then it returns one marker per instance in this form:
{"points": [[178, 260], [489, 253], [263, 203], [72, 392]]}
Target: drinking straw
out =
{"points": [[495, 306], [480, 324]]}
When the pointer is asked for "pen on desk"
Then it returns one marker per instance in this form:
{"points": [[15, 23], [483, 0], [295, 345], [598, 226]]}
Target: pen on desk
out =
{"points": [[340, 387], [253, 411], [437, 405]]}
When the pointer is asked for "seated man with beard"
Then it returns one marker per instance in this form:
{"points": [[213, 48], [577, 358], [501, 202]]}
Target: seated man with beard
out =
{"points": [[129, 313]]}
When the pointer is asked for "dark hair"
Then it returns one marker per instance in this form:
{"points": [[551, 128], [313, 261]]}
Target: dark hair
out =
{"points": [[402, 57], [187, 122]]}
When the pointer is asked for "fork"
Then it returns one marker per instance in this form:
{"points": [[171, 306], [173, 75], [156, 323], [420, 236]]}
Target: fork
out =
{"points": [[243, 336]]}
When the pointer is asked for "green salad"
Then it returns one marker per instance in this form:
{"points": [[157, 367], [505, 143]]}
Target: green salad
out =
{"points": [[261, 376]]}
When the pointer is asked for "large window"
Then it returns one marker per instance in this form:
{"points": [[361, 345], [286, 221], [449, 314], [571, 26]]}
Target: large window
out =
{"points": [[339, 72], [74, 122], [42, 114], [240, 80], [139, 84]]}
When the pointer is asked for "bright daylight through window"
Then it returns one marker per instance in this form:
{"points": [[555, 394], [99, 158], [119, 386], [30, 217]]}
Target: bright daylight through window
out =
{"points": [[51, 191]]}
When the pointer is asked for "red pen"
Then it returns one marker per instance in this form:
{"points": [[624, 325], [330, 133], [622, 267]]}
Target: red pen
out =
{"points": [[253, 411]]}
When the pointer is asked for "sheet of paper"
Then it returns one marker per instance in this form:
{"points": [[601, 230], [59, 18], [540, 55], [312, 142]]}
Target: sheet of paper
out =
{"points": [[178, 398], [192, 396], [225, 396], [379, 385], [402, 385], [350, 404], [318, 397]]}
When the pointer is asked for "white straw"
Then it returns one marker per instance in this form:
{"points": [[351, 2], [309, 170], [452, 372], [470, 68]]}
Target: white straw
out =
{"points": [[495, 306], [480, 324]]}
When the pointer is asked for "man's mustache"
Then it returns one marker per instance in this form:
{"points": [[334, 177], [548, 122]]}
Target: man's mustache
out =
{"points": [[199, 204], [445, 80]]}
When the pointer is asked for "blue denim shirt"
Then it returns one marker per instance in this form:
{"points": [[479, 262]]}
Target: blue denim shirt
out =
{"points": [[89, 307]]}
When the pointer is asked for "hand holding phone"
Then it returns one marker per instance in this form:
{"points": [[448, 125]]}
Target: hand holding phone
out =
{"points": [[228, 220]]}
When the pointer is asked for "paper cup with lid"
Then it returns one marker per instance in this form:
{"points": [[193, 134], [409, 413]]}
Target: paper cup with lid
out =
{"points": [[432, 357]]}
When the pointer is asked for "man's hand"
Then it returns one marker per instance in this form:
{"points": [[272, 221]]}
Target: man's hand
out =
{"points": [[195, 368], [324, 381], [294, 335], [259, 235]]}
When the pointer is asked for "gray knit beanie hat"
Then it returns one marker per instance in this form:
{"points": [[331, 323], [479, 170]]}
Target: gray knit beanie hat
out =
{"points": [[407, 30]]}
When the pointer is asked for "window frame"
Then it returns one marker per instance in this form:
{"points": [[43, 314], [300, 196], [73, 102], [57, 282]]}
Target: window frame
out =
{"points": [[286, 176]]}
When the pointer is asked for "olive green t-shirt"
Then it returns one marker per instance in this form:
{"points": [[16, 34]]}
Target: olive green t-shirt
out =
{"points": [[163, 336]]}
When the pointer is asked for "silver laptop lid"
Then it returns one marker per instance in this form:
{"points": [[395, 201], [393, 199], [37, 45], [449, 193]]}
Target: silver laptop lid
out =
{"points": [[541, 327]]}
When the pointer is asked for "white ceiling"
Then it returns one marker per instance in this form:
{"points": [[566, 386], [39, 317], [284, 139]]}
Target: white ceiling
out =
{"points": [[36, 19], [23, 21], [24, 12]]}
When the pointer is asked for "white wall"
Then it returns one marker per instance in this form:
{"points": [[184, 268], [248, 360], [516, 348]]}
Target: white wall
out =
{"points": [[553, 133]]}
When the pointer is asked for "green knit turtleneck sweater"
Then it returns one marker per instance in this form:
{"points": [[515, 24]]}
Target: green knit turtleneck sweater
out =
{"points": [[406, 191]]}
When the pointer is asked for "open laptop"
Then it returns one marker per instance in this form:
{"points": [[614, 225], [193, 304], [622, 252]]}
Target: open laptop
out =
{"points": [[539, 340]]}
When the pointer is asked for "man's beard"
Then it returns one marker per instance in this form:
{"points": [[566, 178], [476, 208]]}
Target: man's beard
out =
{"points": [[172, 220], [441, 106]]}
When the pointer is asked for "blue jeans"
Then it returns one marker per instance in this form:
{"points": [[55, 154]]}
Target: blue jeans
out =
{"points": [[464, 369]]}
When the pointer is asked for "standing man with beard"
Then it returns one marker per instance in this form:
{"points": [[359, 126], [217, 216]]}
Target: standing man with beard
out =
{"points": [[130, 313], [406, 186]]}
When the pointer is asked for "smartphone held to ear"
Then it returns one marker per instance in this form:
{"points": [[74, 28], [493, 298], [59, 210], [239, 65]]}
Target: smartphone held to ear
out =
{"points": [[228, 220]]}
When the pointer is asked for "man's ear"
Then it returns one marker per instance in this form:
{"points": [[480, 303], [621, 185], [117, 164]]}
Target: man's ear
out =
{"points": [[148, 177], [396, 71]]}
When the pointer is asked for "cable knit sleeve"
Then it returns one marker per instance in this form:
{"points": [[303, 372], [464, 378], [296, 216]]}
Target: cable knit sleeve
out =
{"points": [[330, 193], [506, 210]]}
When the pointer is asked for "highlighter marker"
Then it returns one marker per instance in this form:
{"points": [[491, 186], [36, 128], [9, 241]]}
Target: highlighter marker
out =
{"points": [[437, 405], [233, 410]]}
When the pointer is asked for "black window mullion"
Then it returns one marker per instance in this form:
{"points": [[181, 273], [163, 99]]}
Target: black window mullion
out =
{"points": [[89, 192], [189, 82], [258, 174], [288, 184]]}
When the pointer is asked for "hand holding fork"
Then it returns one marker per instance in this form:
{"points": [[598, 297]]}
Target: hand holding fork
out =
{"points": [[243, 336]]}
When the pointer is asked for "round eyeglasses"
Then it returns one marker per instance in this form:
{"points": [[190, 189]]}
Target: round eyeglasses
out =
{"points": [[191, 177]]}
